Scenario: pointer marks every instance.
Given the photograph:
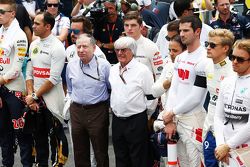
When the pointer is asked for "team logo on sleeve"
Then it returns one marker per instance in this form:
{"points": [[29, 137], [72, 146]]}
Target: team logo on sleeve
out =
{"points": [[21, 51], [35, 51]]}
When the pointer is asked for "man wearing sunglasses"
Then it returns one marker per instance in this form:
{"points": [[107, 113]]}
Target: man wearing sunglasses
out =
{"points": [[62, 22], [13, 48], [234, 22], [131, 82], [231, 119], [80, 25]]}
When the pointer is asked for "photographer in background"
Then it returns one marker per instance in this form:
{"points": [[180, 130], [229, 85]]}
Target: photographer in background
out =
{"points": [[108, 31]]}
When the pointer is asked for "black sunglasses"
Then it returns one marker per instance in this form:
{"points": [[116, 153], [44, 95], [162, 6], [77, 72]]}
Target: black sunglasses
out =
{"points": [[239, 59], [2, 11], [211, 44], [51, 4], [75, 31]]}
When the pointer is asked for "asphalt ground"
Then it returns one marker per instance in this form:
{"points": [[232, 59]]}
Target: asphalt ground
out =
{"points": [[70, 162]]}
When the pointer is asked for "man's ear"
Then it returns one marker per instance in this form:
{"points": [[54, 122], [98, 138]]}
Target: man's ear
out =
{"points": [[198, 31]]}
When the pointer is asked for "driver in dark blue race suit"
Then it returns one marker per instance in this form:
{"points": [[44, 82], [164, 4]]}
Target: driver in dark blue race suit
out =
{"points": [[238, 24], [13, 48]]}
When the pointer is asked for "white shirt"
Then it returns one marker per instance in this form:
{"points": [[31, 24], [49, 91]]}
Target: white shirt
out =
{"points": [[186, 67], [130, 98], [60, 23], [163, 44], [13, 48], [148, 54], [231, 121], [71, 52]]}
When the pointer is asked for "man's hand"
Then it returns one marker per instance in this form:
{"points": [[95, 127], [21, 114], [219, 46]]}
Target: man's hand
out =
{"points": [[222, 152], [170, 129], [168, 117], [29, 100], [34, 106]]}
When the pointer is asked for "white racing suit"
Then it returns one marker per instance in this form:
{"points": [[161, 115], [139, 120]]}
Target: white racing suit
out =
{"points": [[189, 113], [215, 73], [231, 121]]}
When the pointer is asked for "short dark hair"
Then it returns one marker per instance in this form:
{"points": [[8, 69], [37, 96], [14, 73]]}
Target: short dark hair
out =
{"points": [[180, 6], [177, 38], [173, 26], [133, 15], [194, 20], [87, 26], [12, 3], [48, 19]]}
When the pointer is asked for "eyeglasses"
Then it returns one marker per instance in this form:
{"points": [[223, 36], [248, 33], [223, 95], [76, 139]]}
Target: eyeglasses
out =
{"points": [[2, 11], [211, 44], [53, 4], [122, 50], [75, 31], [239, 59]]}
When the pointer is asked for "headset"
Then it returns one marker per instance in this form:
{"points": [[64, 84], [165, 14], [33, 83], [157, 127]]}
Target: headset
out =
{"points": [[59, 7]]}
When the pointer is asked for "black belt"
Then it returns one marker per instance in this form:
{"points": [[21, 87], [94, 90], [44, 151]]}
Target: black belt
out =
{"points": [[131, 117], [89, 106]]}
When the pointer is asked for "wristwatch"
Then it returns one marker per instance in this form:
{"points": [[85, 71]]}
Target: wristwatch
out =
{"points": [[34, 96]]}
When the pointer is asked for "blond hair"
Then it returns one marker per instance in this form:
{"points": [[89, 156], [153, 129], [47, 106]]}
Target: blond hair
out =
{"points": [[226, 37], [243, 44]]}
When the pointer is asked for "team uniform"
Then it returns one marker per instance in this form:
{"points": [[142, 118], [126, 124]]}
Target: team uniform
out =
{"points": [[231, 122], [238, 24], [47, 61], [13, 48], [148, 54], [190, 115]]}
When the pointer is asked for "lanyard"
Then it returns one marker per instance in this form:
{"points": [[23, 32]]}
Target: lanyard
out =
{"points": [[97, 69], [111, 32]]}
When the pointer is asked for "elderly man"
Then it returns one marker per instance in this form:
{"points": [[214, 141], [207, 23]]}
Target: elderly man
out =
{"points": [[131, 82], [87, 82]]}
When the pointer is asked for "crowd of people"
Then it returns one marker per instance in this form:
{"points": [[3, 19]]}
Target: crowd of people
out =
{"points": [[170, 74]]}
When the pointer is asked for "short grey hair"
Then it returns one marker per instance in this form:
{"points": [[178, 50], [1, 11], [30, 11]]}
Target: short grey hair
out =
{"points": [[126, 42], [83, 36]]}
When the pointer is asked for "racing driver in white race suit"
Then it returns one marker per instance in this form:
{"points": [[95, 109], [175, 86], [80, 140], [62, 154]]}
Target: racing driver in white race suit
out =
{"points": [[231, 121], [189, 120]]}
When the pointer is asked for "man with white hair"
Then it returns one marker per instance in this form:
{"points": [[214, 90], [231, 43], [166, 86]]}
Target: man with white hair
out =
{"points": [[131, 83]]}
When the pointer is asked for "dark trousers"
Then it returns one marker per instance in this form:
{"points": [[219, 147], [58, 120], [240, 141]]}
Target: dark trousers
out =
{"points": [[14, 106], [130, 140], [90, 123]]}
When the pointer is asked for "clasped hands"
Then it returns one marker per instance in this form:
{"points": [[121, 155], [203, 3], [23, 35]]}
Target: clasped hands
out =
{"points": [[31, 103], [170, 126], [222, 153]]}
